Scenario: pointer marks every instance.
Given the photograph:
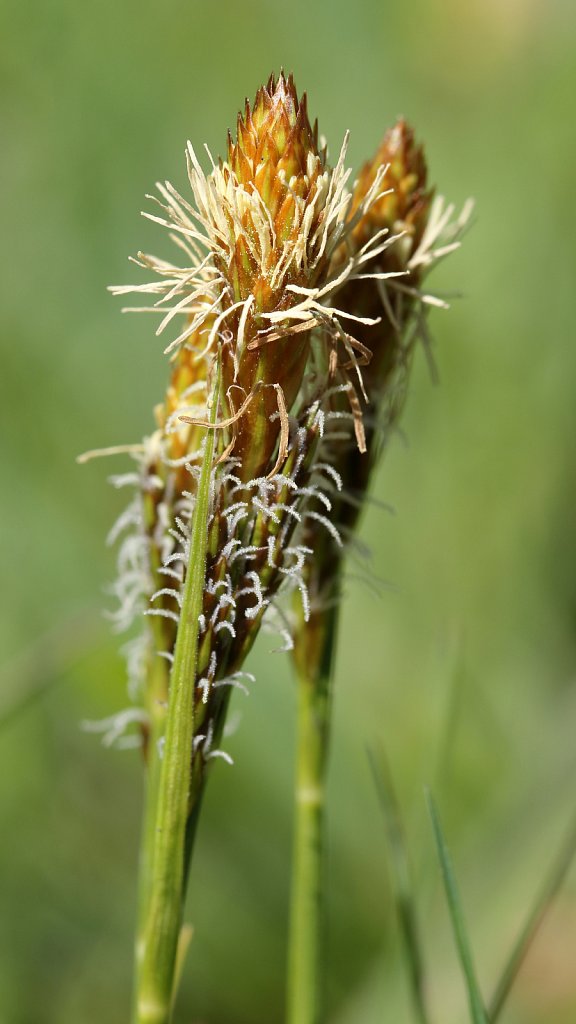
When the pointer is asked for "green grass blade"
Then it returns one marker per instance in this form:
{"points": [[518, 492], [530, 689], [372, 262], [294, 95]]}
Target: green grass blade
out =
{"points": [[451, 721], [541, 905], [167, 877], [477, 1011], [305, 945], [401, 883]]}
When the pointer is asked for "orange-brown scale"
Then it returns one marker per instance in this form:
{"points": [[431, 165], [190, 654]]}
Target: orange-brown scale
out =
{"points": [[405, 210], [270, 157]]}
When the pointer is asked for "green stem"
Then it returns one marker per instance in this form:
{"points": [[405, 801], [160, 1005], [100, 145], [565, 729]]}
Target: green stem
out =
{"points": [[314, 660], [538, 911], [157, 693], [165, 877]]}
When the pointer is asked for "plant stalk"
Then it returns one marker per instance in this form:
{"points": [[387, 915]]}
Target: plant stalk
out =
{"points": [[157, 693], [165, 851], [314, 658]]}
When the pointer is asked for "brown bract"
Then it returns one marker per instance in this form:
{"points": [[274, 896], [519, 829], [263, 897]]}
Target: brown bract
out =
{"points": [[274, 143]]}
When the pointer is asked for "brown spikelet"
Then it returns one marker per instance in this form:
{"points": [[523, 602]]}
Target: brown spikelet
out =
{"points": [[276, 161], [404, 209], [406, 202], [275, 220]]}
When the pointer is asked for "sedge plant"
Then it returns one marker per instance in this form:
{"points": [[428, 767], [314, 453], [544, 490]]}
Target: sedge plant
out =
{"points": [[244, 488], [422, 229], [231, 489]]}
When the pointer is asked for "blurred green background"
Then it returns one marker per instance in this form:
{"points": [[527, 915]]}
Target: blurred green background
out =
{"points": [[464, 669]]}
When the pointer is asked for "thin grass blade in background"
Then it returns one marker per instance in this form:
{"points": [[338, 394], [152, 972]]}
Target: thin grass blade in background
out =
{"points": [[477, 1010], [402, 885], [451, 719], [541, 906]]}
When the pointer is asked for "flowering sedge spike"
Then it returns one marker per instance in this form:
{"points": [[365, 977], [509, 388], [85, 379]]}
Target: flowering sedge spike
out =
{"points": [[261, 363], [281, 238], [260, 243], [250, 550], [421, 230]]}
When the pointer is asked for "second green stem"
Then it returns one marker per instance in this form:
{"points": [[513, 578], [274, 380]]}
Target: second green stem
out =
{"points": [[314, 660]]}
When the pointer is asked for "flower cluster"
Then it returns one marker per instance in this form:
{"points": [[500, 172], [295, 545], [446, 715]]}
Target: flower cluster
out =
{"points": [[300, 302], [422, 230]]}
